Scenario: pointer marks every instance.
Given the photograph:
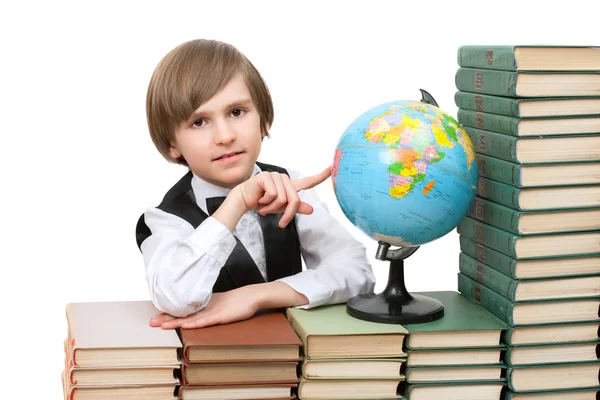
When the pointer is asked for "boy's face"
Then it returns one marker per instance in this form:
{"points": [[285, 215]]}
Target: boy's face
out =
{"points": [[221, 141]]}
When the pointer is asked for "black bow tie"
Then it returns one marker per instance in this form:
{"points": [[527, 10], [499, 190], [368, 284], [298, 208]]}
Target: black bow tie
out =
{"points": [[212, 203]]}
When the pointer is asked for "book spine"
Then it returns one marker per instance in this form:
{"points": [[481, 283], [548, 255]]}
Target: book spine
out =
{"points": [[488, 276], [487, 104], [487, 299], [509, 382], [489, 122], [492, 258], [499, 170], [499, 83], [500, 193], [488, 57], [487, 235], [494, 144], [495, 215], [302, 334]]}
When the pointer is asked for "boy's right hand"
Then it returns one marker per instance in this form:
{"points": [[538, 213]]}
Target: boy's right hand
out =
{"points": [[272, 192], [268, 193]]}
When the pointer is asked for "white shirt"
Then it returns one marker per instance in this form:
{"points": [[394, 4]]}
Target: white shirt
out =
{"points": [[183, 263]]}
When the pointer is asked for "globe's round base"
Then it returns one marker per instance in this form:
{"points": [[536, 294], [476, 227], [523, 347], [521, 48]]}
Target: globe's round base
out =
{"points": [[394, 309]]}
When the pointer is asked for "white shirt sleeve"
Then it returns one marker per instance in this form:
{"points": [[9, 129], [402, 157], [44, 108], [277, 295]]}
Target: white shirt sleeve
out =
{"points": [[183, 263], [336, 263]]}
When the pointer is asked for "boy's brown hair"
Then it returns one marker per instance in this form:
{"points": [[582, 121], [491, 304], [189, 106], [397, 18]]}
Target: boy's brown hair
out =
{"points": [[188, 76]]}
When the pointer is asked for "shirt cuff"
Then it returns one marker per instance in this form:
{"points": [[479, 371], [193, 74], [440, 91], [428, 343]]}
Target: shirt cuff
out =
{"points": [[315, 291], [214, 239]]}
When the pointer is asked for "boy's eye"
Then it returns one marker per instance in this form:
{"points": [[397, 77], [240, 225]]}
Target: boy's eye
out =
{"points": [[198, 123], [237, 112]]}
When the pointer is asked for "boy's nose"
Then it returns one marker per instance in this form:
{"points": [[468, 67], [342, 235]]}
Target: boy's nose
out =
{"points": [[224, 134]]}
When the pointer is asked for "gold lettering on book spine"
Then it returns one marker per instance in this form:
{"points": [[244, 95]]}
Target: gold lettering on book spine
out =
{"points": [[481, 143], [478, 232], [482, 188], [478, 103], [479, 124], [489, 57], [477, 294], [479, 210], [478, 80], [479, 273], [480, 253]]}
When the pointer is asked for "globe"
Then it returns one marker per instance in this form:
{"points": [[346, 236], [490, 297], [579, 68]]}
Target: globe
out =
{"points": [[405, 173]]}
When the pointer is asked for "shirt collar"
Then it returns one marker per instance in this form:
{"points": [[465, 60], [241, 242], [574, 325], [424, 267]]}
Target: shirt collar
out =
{"points": [[203, 189]]}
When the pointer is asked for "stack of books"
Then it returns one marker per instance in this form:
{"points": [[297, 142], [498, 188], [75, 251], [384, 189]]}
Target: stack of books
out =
{"points": [[457, 356], [112, 352], [530, 245], [253, 359], [347, 358]]}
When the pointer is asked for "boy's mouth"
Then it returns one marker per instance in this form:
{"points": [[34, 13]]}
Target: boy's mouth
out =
{"points": [[229, 157]]}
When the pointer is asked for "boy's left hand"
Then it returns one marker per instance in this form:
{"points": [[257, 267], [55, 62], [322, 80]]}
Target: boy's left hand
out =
{"points": [[223, 308]]}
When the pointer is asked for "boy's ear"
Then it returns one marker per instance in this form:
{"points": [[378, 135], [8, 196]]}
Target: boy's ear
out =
{"points": [[174, 153]]}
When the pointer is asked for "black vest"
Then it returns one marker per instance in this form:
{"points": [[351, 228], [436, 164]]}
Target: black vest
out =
{"points": [[282, 247]]}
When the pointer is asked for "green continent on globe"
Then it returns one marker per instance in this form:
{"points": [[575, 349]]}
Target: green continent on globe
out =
{"points": [[411, 146]]}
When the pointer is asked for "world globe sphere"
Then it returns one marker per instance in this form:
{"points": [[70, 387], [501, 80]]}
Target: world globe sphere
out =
{"points": [[405, 173]]}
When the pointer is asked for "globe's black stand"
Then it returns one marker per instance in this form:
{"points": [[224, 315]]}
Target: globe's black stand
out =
{"points": [[395, 305]]}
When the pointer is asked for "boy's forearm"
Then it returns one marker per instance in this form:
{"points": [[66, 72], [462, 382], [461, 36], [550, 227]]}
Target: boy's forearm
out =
{"points": [[278, 295], [230, 212]]}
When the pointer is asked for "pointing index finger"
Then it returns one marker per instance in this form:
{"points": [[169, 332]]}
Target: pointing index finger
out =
{"points": [[312, 181]]}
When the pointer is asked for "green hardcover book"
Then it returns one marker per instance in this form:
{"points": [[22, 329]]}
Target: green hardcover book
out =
{"points": [[530, 150], [530, 57], [527, 84], [553, 377], [533, 246], [573, 394], [524, 127], [544, 198], [352, 368], [534, 222], [527, 108], [530, 312], [571, 333], [533, 289], [463, 325], [455, 374], [538, 175], [329, 332], [452, 391], [552, 354], [531, 269], [321, 389]]}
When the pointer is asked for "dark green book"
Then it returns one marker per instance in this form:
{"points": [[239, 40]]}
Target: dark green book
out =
{"points": [[552, 354], [455, 374], [573, 394], [527, 108], [491, 355], [451, 391], [524, 127], [530, 312], [553, 377], [570, 333], [544, 198], [463, 325], [527, 84], [534, 222], [532, 289], [535, 150], [531, 269], [532, 246], [538, 175], [530, 57]]}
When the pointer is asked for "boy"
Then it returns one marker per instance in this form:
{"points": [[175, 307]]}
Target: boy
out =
{"points": [[209, 263]]}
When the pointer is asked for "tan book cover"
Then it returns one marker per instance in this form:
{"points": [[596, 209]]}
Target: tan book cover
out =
{"points": [[105, 334], [264, 337], [246, 373], [238, 392]]}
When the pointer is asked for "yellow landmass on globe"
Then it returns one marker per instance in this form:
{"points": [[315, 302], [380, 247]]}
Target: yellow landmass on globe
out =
{"points": [[400, 190], [441, 137], [465, 142]]}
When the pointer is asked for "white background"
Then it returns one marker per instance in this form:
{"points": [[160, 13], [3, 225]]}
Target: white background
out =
{"points": [[78, 166]]}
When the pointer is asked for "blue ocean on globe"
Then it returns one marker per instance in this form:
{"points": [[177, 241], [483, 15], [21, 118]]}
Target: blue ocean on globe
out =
{"points": [[405, 173]]}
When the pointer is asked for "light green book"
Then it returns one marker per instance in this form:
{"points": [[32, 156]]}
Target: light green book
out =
{"points": [[352, 368], [530, 57], [464, 325], [455, 374], [329, 332], [452, 391]]}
